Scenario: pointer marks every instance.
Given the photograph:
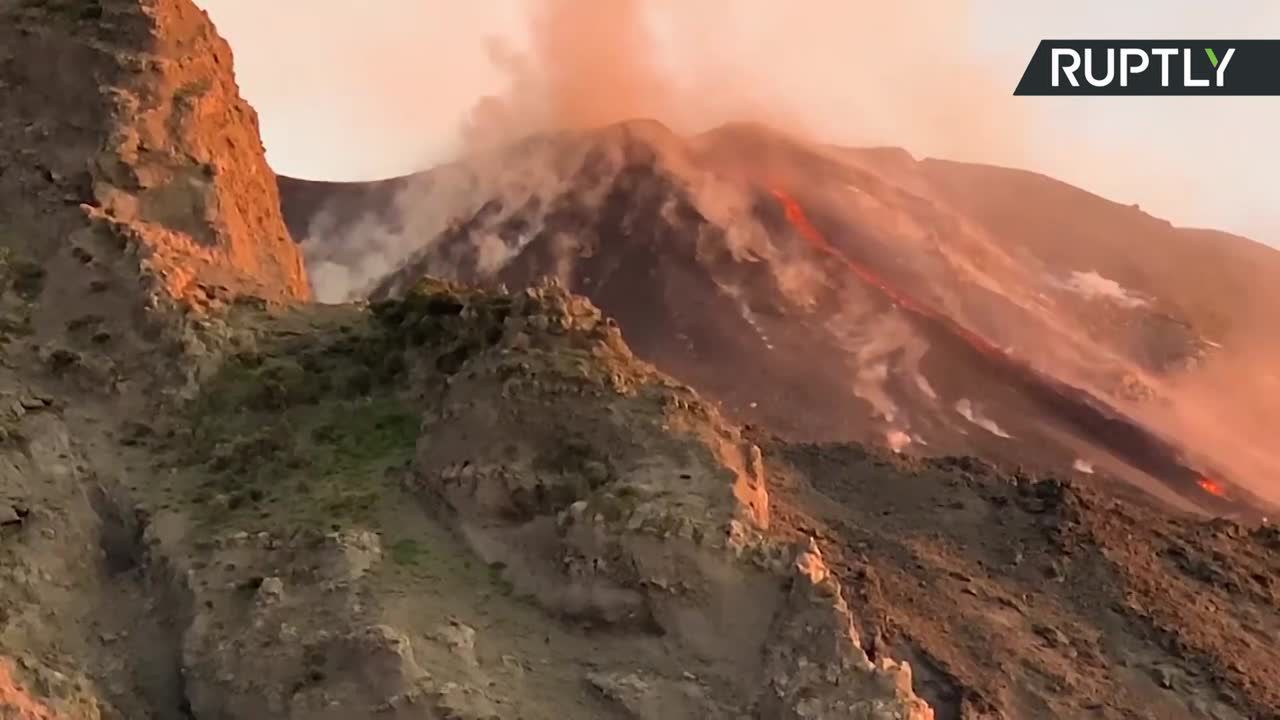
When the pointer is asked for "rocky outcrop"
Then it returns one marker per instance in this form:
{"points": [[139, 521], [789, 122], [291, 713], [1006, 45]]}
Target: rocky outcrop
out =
{"points": [[128, 110], [132, 180], [134, 202], [303, 647], [60, 544], [183, 170], [816, 667], [610, 493]]}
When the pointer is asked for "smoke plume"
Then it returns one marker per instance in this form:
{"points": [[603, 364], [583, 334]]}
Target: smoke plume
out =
{"points": [[868, 73]]}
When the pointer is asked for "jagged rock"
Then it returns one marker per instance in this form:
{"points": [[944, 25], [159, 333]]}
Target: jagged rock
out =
{"points": [[356, 552], [459, 638], [652, 491], [35, 402], [816, 667], [463, 702], [9, 515], [166, 167], [271, 591], [620, 497], [1053, 636], [647, 697], [183, 176], [1165, 676], [513, 665]]}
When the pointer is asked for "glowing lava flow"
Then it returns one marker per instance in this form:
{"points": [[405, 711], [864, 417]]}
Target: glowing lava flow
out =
{"points": [[1211, 487], [1106, 427], [800, 221]]}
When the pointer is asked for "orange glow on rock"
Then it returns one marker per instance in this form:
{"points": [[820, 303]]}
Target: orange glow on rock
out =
{"points": [[1211, 487]]}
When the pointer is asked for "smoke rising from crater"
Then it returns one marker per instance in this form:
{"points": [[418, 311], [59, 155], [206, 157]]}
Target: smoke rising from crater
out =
{"points": [[857, 72], [588, 65], [865, 73]]}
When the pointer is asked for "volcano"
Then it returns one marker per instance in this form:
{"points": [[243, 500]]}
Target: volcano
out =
{"points": [[223, 494], [837, 294]]}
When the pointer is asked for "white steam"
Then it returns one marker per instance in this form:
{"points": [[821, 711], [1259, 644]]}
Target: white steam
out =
{"points": [[1094, 286], [973, 414]]}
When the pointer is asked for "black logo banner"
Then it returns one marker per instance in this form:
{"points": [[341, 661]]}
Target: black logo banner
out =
{"points": [[1153, 67]]}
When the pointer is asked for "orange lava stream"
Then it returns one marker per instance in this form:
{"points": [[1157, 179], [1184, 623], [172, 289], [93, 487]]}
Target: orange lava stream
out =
{"points": [[799, 220], [1211, 487]]}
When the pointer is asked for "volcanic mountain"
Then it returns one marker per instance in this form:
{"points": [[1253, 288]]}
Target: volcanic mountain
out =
{"points": [[220, 498], [828, 293]]}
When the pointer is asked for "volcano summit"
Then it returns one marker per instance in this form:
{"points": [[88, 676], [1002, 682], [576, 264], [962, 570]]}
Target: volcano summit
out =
{"points": [[839, 294]]}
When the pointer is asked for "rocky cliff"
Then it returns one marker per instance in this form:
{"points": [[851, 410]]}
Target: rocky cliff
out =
{"points": [[131, 108]]}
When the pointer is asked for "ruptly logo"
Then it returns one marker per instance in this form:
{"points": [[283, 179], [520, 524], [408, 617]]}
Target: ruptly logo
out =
{"points": [[1153, 67]]}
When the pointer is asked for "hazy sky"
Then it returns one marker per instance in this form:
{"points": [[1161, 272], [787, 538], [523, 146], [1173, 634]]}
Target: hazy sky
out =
{"points": [[355, 89]]}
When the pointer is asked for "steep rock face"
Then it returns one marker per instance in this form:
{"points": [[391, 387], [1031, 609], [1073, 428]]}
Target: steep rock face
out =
{"points": [[816, 664], [134, 198], [560, 445], [130, 107], [184, 168]]}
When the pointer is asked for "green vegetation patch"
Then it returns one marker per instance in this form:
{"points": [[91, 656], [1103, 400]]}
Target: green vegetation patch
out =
{"points": [[307, 428], [73, 9], [454, 322], [304, 434], [21, 282], [408, 552]]}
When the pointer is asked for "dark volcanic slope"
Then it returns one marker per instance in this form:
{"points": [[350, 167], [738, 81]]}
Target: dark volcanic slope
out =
{"points": [[838, 294], [1204, 276], [1037, 599]]}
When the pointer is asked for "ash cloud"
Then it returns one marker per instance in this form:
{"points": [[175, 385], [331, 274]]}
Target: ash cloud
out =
{"points": [[868, 73]]}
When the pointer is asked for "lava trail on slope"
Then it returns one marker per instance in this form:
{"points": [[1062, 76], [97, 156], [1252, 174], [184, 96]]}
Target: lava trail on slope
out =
{"points": [[1094, 420]]}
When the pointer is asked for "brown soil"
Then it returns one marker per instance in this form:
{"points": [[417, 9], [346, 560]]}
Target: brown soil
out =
{"points": [[1017, 597]]}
